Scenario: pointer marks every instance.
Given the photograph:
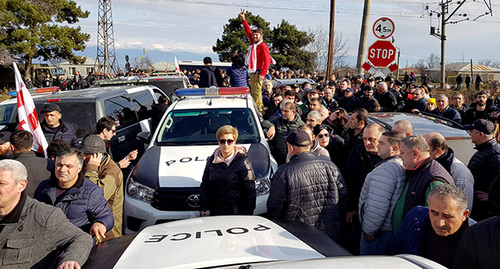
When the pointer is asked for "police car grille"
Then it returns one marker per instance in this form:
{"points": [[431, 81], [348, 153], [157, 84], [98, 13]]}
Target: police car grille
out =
{"points": [[175, 199]]}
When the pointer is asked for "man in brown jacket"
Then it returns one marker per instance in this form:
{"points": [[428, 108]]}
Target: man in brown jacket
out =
{"points": [[104, 172]]}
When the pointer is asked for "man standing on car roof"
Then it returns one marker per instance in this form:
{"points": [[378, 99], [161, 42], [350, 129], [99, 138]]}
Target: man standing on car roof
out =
{"points": [[258, 60], [54, 128]]}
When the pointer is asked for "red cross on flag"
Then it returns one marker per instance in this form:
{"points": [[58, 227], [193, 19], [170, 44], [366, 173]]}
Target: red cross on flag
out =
{"points": [[177, 67], [26, 112]]}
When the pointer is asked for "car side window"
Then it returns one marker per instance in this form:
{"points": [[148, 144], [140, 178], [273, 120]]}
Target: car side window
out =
{"points": [[142, 102], [121, 109]]}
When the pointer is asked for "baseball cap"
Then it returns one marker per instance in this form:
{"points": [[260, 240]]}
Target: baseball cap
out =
{"points": [[370, 79], [389, 78], [309, 90], [4, 137], [482, 125], [398, 82], [51, 107], [299, 138], [93, 144], [350, 90]]}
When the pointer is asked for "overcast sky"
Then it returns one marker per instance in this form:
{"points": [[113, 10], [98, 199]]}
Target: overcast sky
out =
{"points": [[195, 25]]}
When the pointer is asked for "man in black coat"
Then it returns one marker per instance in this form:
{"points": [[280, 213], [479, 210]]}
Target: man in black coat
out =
{"points": [[484, 164], [385, 98], [210, 75], [309, 188], [39, 168], [54, 128]]}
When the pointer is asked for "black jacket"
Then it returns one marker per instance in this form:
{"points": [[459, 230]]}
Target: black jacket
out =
{"points": [[358, 165], [228, 190], [39, 169], [479, 246], [485, 167], [210, 76], [65, 132], [387, 101], [472, 114], [309, 189], [156, 114]]}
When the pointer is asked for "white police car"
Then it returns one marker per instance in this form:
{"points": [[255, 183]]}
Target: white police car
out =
{"points": [[236, 242], [165, 183]]}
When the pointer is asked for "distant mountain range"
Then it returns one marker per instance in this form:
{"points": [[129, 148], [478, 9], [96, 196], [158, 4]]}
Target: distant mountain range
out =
{"points": [[154, 55]]}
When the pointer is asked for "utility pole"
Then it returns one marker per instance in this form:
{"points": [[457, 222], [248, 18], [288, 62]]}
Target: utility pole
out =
{"points": [[363, 36], [329, 68], [444, 8], [106, 59]]}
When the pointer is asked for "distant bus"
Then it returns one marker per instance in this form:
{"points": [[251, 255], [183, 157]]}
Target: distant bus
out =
{"points": [[193, 65]]}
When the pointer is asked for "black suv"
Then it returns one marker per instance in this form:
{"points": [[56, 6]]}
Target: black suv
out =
{"points": [[130, 106]]}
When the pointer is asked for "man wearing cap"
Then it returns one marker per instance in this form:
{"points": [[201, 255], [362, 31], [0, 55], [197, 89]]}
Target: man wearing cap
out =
{"points": [[54, 128], [395, 90], [309, 188], [484, 164], [103, 171], [349, 102], [310, 94], [258, 60]]}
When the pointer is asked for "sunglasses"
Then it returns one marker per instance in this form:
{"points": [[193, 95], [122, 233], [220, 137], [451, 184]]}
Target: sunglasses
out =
{"points": [[224, 141], [323, 135], [113, 131]]}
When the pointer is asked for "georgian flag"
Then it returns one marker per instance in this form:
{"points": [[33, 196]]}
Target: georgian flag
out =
{"points": [[177, 67], [26, 112]]}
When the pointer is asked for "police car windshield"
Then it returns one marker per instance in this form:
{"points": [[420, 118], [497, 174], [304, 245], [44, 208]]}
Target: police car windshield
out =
{"points": [[6, 112], [198, 126]]}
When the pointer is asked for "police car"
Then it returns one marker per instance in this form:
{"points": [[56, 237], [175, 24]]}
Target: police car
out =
{"points": [[236, 242], [165, 183]]}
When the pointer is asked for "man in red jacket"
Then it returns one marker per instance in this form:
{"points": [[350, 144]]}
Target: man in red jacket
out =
{"points": [[258, 61]]}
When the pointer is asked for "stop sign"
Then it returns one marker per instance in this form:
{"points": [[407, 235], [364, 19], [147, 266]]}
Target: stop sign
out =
{"points": [[382, 53]]}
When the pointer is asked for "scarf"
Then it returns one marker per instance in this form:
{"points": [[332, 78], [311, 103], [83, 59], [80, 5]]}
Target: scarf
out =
{"points": [[251, 59]]}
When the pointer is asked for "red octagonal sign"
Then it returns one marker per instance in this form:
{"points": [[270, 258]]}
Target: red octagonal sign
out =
{"points": [[382, 53]]}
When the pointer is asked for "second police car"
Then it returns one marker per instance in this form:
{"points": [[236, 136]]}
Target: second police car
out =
{"points": [[165, 183]]}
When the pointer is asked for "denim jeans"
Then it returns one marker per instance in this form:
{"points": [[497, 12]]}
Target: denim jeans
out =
{"points": [[380, 246]]}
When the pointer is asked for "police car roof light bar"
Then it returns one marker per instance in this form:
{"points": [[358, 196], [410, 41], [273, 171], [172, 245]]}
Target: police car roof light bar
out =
{"points": [[212, 91]]}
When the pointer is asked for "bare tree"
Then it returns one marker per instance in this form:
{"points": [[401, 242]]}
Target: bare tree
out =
{"points": [[432, 61], [143, 63], [490, 62], [320, 47]]}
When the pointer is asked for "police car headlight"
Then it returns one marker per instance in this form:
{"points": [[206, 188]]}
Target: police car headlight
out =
{"points": [[138, 191], [262, 185]]}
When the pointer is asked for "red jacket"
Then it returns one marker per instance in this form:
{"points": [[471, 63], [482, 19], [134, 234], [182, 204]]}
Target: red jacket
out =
{"points": [[264, 59]]}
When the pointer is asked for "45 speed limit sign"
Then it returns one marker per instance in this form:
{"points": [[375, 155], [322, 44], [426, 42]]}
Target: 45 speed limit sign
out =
{"points": [[383, 28]]}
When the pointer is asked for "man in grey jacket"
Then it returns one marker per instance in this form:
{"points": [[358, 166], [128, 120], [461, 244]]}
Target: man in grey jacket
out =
{"points": [[33, 234], [381, 190]]}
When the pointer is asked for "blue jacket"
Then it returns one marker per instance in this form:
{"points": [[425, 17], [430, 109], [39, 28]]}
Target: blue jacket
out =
{"points": [[449, 113], [83, 204], [239, 76], [65, 132]]}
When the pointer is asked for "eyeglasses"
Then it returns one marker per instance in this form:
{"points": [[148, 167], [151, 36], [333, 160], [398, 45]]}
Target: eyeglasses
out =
{"points": [[323, 135], [224, 141]]}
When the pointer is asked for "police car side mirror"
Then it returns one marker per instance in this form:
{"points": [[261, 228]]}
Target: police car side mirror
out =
{"points": [[144, 137]]}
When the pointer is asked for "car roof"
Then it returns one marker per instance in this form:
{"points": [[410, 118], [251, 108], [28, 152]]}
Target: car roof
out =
{"points": [[213, 102], [218, 241], [423, 124]]}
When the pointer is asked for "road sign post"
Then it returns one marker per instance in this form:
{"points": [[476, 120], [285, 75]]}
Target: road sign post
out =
{"points": [[382, 53]]}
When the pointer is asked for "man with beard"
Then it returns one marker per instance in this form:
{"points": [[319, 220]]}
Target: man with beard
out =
{"points": [[481, 110], [258, 60], [367, 101]]}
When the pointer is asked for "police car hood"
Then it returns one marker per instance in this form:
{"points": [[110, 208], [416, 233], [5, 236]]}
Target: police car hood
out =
{"points": [[214, 241], [183, 166]]}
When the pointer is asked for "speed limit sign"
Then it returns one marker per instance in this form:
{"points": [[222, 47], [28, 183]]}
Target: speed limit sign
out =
{"points": [[383, 28]]}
